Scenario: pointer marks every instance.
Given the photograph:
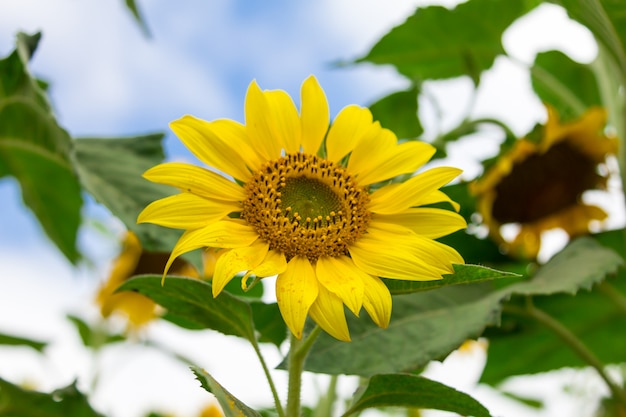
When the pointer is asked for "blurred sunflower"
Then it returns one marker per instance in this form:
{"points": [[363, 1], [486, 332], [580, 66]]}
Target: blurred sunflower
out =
{"points": [[539, 184], [302, 206], [133, 260]]}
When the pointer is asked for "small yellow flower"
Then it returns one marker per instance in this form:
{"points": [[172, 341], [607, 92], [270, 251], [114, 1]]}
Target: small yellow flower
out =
{"points": [[311, 204], [133, 260], [539, 185]]}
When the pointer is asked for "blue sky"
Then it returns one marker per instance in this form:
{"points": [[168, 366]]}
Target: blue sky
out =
{"points": [[107, 79]]}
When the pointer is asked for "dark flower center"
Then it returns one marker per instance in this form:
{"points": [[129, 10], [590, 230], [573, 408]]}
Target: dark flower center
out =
{"points": [[544, 184]]}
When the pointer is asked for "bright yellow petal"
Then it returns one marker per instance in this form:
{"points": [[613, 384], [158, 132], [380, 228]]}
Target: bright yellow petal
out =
{"points": [[429, 222], [236, 135], [196, 180], [392, 251], [377, 301], [382, 159], [314, 115], [396, 198], [341, 277], [285, 120], [235, 261], [327, 311], [259, 125], [273, 264], [186, 211], [221, 234], [296, 290], [202, 140], [349, 127], [439, 196]]}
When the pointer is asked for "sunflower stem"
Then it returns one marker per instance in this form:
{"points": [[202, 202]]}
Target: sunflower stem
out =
{"points": [[279, 406], [571, 340], [298, 350]]}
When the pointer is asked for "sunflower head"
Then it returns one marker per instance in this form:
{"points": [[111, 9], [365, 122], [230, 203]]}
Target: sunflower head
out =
{"points": [[538, 184], [320, 206], [133, 260]]}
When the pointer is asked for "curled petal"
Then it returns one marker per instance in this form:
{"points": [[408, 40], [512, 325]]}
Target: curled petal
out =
{"points": [[328, 313]]}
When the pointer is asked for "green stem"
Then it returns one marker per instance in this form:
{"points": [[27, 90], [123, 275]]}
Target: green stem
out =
{"points": [[325, 405], [572, 341], [270, 381], [298, 349]]}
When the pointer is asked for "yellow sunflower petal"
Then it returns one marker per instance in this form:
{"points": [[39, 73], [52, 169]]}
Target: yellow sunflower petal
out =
{"points": [[221, 234], [395, 198], [195, 180], [372, 165], [341, 277], [296, 290], [259, 125], [286, 122], [236, 134], [438, 196], [202, 140], [377, 301], [429, 222], [349, 127], [273, 264], [185, 211], [327, 311], [392, 251], [235, 261], [314, 115]]}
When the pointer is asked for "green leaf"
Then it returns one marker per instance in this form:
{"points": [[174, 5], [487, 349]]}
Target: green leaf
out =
{"points": [[231, 406], [111, 170], [415, 392], [424, 326], [439, 43], [36, 150], [132, 7], [463, 274], [568, 86], [606, 19], [68, 401], [429, 325], [95, 337], [192, 300], [9, 340], [580, 265], [398, 112], [597, 318], [269, 323]]}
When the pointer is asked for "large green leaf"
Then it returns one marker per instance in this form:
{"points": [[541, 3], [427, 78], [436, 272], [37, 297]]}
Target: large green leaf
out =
{"points": [[111, 170], [68, 401], [398, 112], [597, 318], [463, 274], [94, 337], [192, 300], [231, 406], [269, 323], [415, 392], [566, 85], [428, 325], [10, 340], [438, 43], [36, 150]]}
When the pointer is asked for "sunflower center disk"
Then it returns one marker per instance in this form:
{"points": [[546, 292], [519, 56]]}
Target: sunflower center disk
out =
{"points": [[544, 184], [304, 205]]}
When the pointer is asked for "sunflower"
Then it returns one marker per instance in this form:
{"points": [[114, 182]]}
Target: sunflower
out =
{"points": [[133, 260], [311, 204], [539, 184]]}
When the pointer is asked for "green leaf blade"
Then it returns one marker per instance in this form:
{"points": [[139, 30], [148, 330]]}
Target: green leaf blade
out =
{"points": [[192, 300], [11, 340], [36, 150], [398, 112], [415, 392], [439, 43], [231, 406]]}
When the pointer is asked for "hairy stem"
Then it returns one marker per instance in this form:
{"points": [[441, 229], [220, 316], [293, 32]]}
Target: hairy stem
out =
{"points": [[298, 349]]}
